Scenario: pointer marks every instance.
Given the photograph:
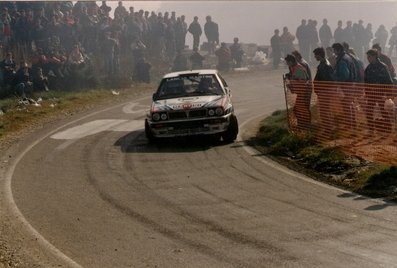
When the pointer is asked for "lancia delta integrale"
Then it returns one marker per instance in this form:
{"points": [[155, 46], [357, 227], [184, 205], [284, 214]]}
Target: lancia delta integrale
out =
{"points": [[190, 103]]}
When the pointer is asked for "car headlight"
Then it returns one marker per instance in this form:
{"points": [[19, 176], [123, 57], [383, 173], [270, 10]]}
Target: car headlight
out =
{"points": [[156, 117], [164, 116], [211, 112], [219, 111]]}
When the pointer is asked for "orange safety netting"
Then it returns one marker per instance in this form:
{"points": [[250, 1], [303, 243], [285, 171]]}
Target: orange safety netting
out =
{"points": [[360, 118]]}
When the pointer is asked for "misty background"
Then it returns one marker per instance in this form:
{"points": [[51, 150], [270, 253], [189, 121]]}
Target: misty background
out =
{"points": [[255, 21]]}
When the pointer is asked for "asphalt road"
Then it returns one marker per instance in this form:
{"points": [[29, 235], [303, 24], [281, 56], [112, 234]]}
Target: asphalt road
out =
{"points": [[93, 193]]}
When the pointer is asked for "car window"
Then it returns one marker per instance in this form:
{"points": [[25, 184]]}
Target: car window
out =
{"points": [[171, 88], [186, 85]]}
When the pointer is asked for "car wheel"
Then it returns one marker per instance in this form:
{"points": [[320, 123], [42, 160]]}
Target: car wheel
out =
{"points": [[148, 133], [231, 133]]}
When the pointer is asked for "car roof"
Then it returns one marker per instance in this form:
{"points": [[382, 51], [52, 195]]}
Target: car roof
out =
{"points": [[197, 72]]}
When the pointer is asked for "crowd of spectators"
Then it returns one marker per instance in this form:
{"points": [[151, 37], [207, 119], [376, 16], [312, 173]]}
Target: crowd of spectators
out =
{"points": [[59, 40], [342, 68], [309, 35]]}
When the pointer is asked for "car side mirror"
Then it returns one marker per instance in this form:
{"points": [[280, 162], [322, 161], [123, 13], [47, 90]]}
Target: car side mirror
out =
{"points": [[153, 96]]}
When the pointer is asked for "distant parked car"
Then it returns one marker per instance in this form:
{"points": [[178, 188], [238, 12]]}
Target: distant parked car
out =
{"points": [[187, 103]]}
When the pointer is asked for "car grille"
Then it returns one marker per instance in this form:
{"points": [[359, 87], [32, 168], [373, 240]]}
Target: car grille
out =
{"points": [[175, 115]]}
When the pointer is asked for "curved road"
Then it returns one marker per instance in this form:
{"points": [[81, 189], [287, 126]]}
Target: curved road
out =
{"points": [[93, 193]]}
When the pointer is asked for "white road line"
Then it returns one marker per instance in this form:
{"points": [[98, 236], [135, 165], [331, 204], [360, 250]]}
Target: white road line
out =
{"points": [[135, 108], [98, 126]]}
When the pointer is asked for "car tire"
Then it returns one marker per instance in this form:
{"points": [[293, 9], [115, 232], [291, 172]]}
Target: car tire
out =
{"points": [[230, 135], [149, 134]]}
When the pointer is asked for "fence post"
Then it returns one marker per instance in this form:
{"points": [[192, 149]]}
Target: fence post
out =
{"points": [[286, 102]]}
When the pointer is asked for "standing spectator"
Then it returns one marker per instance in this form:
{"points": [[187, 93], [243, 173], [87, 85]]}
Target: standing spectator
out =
{"points": [[224, 57], [195, 30], [393, 40], [381, 36], [39, 34], [196, 59], [6, 29], [116, 58], [142, 71], [286, 41], [325, 35], [105, 9], [385, 59], [376, 73], [303, 38], [275, 43], [24, 81], [180, 62], [344, 69], [345, 72], [313, 36], [180, 33], [360, 40], [108, 47], [120, 10], [158, 38], [21, 31], [358, 64], [323, 91], [368, 36], [348, 33], [302, 62], [237, 53], [8, 69], [212, 33], [302, 104], [331, 56], [40, 82], [338, 33], [170, 37], [138, 49]]}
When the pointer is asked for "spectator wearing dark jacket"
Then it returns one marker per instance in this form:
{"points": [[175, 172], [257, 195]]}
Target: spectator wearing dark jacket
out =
{"points": [[212, 33], [24, 81], [377, 73], [224, 57], [196, 59], [196, 31], [385, 59], [323, 89], [345, 72], [8, 68]]}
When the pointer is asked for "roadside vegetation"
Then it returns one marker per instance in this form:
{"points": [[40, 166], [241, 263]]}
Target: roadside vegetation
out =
{"points": [[327, 164], [17, 117]]}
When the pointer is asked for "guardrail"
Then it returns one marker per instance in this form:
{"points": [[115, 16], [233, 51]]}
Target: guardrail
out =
{"points": [[359, 118]]}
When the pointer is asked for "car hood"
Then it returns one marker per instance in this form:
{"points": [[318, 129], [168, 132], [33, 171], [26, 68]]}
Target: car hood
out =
{"points": [[186, 103]]}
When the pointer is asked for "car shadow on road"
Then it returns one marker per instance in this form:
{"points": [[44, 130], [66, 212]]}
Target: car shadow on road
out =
{"points": [[135, 142]]}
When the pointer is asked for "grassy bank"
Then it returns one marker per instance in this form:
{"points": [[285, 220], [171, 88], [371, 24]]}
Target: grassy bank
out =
{"points": [[328, 164], [17, 118]]}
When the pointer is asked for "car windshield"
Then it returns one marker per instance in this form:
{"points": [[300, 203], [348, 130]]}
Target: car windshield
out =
{"points": [[189, 85]]}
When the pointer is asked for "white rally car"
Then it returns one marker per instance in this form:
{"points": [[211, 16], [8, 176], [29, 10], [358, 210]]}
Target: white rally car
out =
{"points": [[196, 102]]}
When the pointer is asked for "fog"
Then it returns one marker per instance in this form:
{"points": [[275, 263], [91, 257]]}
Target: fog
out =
{"points": [[255, 21]]}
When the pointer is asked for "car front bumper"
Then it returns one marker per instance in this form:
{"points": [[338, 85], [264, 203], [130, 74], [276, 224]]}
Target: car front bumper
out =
{"points": [[178, 128]]}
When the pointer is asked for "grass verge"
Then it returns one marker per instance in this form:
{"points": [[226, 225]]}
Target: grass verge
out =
{"points": [[327, 164], [17, 118]]}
